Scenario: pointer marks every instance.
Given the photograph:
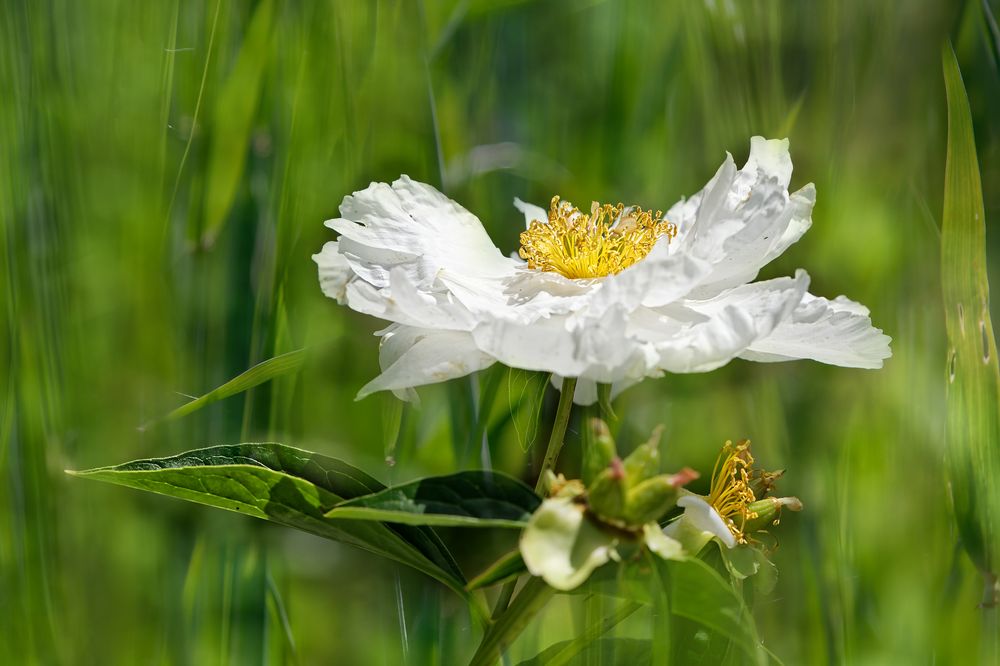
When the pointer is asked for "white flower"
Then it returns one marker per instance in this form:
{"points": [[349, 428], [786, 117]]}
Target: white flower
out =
{"points": [[613, 296], [732, 511]]}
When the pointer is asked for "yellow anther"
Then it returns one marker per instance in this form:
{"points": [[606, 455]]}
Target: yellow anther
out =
{"points": [[731, 493], [605, 242]]}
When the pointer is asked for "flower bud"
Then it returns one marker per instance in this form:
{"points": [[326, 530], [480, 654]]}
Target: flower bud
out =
{"points": [[767, 511], [606, 496], [652, 498], [599, 452], [557, 485], [644, 462]]}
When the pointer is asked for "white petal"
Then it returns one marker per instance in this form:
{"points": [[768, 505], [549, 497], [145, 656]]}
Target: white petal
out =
{"points": [[722, 328], [586, 389], [545, 345], [334, 271], [838, 332], [402, 302], [660, 278], [531, 212], [414, 357], [701, 515], [598, 349], [413, 226], [743, 219], [562, 546], [660, 543]]}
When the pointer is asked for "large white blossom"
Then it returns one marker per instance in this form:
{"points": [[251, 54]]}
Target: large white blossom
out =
{"points": [[685, 303]]}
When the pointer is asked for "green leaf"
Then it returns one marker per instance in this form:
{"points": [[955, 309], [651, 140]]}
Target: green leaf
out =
{"points": [[973, 375], [526, 391], [465, 499], [258, 374], [505, 568], [232, 119], [288, 486], [631, 651], [528, 603], [697, 593]]}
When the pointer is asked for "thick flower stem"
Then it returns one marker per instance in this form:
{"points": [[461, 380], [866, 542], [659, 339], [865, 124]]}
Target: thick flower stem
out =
{"points": [[559, 426], [558, 430]]}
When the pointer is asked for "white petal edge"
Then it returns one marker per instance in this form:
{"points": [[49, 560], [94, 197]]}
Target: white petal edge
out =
{"points": [[531, 212], [415, 357], [837, 332], [659, 543], [701, 515], [562, 546], [334, 271]]}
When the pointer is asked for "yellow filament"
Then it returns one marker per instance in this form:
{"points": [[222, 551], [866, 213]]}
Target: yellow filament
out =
{"points": [[605, 242], [731, 493]]}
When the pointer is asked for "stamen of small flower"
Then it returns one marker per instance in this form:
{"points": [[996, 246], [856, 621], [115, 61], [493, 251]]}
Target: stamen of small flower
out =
{"points": [[605, 242], [731, 493]]}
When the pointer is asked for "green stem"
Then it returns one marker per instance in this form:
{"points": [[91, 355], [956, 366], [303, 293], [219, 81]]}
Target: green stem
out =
{"points": [[532, 598], [558, 430], [556, 438]]}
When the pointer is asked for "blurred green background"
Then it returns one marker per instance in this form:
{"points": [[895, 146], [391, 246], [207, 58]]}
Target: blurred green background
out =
{"points": [[165, 169]]}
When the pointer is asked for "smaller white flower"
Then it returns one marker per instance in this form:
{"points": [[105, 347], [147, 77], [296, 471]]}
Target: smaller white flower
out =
{"points": [[732, 511]]}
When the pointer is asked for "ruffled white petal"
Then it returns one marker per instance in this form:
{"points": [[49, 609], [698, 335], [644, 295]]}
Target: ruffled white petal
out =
{"points": [[412, 226], [414, 357], [334, 271], [743, 218], [838, 332], [720, 329]]}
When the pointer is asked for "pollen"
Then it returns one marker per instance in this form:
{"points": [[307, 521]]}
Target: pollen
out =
{"points": [[607, 241], [731, 492]]}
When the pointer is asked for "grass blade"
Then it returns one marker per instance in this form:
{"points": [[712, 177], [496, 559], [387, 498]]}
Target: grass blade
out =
{"points": [[258, 374], [973, 376]]}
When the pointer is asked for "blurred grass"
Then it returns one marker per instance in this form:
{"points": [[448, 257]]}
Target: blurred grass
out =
{"points": [[162, 188]]}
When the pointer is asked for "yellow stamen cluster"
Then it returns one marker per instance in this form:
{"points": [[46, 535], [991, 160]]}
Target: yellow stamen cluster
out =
{"points": [[606, 242], [731, 493]]}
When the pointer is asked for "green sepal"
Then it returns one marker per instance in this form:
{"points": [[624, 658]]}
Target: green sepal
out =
{"points": [[649, 500], [644, 462], [599, 452], [606, 496]]}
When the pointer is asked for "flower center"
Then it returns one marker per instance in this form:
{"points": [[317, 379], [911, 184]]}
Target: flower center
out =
{"points": [[731, 493], [606, 242]]}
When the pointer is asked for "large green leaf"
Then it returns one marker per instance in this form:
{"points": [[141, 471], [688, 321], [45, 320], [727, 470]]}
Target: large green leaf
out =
{"points": [[287, 486], [697, 592], [973, 388], [465, 499]]}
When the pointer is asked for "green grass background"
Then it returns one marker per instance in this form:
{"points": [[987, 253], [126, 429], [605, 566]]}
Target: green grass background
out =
{"points": [[165, 169]]}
